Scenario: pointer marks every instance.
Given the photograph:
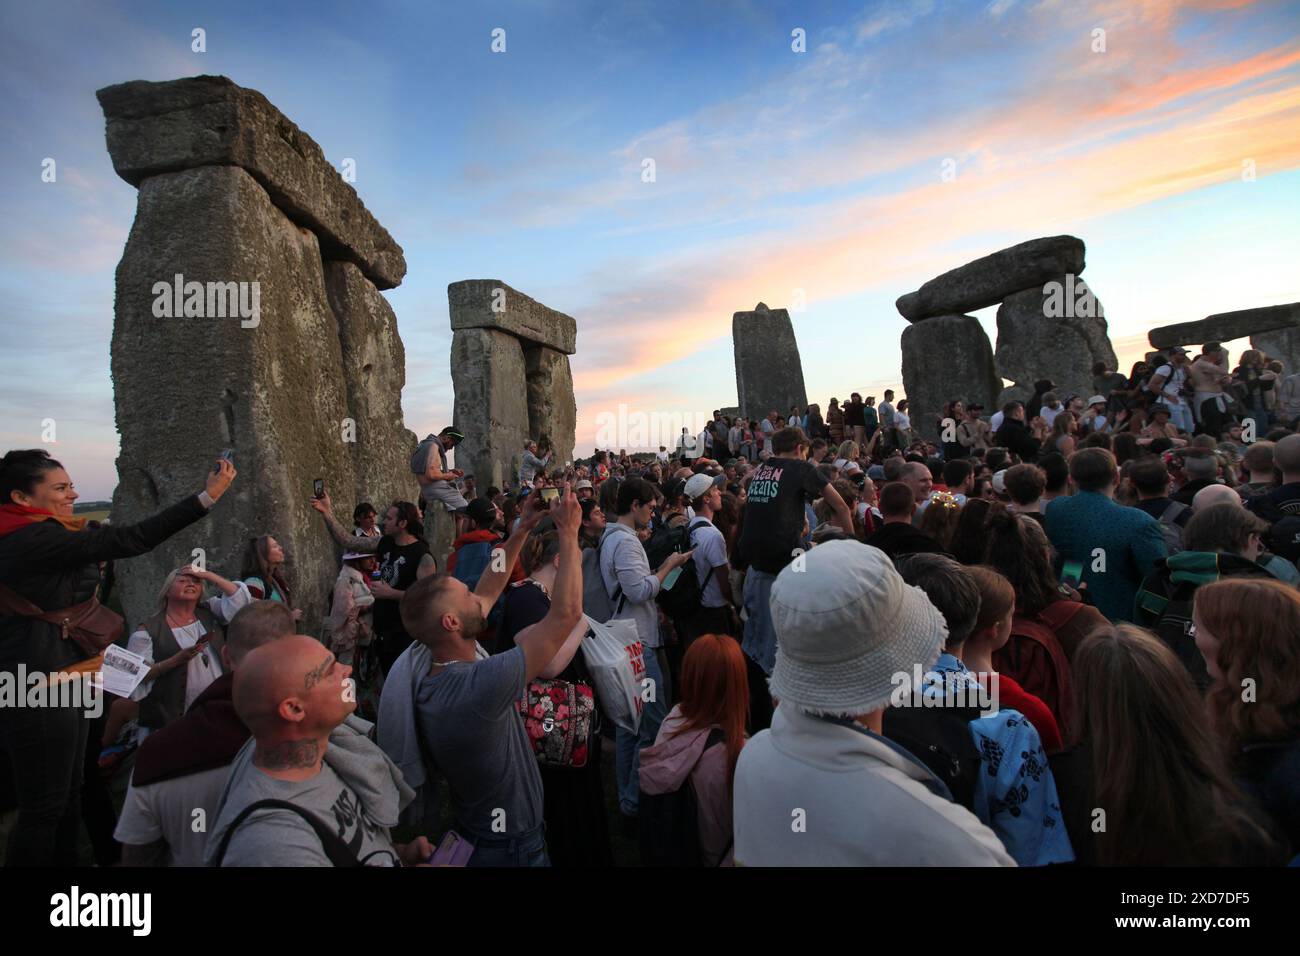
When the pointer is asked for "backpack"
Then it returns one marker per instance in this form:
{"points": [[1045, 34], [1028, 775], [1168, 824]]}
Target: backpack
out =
{"points": [[597, 603], [420, 457], [940, 737], [669, 822], [1169, 527], [1284, 535], [1165, 607], [683, 599], [1054, 686]]}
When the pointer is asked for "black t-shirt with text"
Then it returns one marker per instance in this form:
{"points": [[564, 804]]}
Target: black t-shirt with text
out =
{"points": [[398, 564], [774, 511]]}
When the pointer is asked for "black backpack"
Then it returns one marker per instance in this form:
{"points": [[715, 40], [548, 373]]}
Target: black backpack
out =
{"points": [[683, 599], [1284, 535], [940, 737], [669, 822]]}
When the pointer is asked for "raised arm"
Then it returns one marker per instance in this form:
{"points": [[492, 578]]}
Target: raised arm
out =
{"points": [[497, 574], [542, 641], [50, 545], [349, 542], [843, 517]]}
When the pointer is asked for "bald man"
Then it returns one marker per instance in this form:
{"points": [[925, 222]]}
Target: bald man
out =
{"points": [[183, 767], [309, 752], [1212, 495]]}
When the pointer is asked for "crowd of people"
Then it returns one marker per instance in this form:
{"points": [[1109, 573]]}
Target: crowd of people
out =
{"points": [[1067, 633]]}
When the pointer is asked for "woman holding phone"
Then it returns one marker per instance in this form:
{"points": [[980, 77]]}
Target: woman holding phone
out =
{"points": [[182, 643], [50, 559]]}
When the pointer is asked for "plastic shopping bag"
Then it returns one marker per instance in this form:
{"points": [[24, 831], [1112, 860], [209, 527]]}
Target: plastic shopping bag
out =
{"points": [[615, 658]]}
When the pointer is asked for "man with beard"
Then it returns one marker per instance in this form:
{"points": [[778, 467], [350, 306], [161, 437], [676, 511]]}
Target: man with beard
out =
{"points": [[466, 712]]}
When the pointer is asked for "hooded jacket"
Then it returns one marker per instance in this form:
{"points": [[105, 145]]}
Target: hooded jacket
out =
{"points": [[674, 757], [809, 792]]}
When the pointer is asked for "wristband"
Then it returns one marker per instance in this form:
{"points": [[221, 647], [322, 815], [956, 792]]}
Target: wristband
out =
{"points": [[206, 499]]}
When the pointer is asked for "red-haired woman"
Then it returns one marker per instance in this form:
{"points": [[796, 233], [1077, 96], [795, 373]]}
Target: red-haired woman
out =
{"points": [[701, 740]]}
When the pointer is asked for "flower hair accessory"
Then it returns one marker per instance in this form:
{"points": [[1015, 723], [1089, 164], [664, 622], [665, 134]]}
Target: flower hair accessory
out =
{"points": [[945, 499]]}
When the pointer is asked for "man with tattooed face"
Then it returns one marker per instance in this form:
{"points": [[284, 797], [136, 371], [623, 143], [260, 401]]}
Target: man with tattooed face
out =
{"points": [[310, 788]]}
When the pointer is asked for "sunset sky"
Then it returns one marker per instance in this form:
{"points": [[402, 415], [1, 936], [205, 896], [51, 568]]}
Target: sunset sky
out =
{"points": [[778, 174]]}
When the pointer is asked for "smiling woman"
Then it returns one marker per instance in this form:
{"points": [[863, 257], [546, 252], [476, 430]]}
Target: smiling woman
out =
{"points": [[52, 560]]}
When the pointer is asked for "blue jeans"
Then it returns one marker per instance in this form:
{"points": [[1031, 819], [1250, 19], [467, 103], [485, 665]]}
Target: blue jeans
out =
{"points": [[760, 634], [528, 849], [1181, 416], [628, 746]]}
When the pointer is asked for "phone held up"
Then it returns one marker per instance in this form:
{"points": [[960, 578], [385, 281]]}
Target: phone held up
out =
{"points": [[1072, 573], [318, 488], [227, 455]]}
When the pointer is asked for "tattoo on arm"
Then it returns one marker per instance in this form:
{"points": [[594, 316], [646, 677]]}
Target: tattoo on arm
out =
{"points": [[288, 755]]}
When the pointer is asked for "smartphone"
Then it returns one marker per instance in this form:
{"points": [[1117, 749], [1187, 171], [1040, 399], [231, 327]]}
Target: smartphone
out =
{"points": [[1072, 573], [318, 488], [671, 578], [227, 455], [550, 494]]}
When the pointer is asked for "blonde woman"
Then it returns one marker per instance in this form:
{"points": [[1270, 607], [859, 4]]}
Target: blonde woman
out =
{"points": [[182, 641], [848, 451]]}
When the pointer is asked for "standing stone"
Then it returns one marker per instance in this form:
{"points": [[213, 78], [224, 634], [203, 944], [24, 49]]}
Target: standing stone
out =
{"points": [[489, 376], [1033, 344], [946, 357], [491, 304], [1281, 344], [186, 388], [552, 412], [1226, 326], [374, 368], [769, 375], [991, 279], [198, 121]]}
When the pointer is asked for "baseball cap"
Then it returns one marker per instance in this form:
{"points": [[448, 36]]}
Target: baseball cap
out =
{"points": [[697, 485], [584, 483], [1097, 400], [482, 510], [452, 433]]}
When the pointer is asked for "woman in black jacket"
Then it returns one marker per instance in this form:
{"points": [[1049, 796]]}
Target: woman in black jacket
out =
{"points": [[49, 558]]}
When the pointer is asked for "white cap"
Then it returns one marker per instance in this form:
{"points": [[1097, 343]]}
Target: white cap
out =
{"points": [[698, 485]]}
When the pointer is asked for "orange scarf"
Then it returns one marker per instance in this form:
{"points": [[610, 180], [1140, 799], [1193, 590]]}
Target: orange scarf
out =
{"points": [[13, 517]]}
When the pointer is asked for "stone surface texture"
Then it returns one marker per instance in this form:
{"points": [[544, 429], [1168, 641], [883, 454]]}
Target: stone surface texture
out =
{"points": [[946, 357], [210, 121], [1225, 326], [231, 192], [987, 281], [1033, 346], [491, 304], [374, 369], [489, 375], [769, 375], [552, 411], [187, 388]]}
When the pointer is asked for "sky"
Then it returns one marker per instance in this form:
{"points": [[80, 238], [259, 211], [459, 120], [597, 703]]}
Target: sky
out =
{"points": [[904, 139]]}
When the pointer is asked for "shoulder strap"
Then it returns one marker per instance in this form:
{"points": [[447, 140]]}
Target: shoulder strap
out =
{"points": [[618, 587], [334, 847], [1060, 613], [1171, 512]]}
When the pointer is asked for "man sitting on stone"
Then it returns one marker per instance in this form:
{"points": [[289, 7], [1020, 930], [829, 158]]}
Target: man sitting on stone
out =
{"points": [[335, 794], [181, 769], [437, 493]]}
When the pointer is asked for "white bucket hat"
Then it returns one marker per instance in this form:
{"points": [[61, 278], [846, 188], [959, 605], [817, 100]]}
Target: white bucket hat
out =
{"points": [[847, 626]]}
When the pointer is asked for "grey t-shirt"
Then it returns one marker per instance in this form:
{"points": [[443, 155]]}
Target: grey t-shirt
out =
{"points": [[710, 551], [474, 734], [283, 838]]}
